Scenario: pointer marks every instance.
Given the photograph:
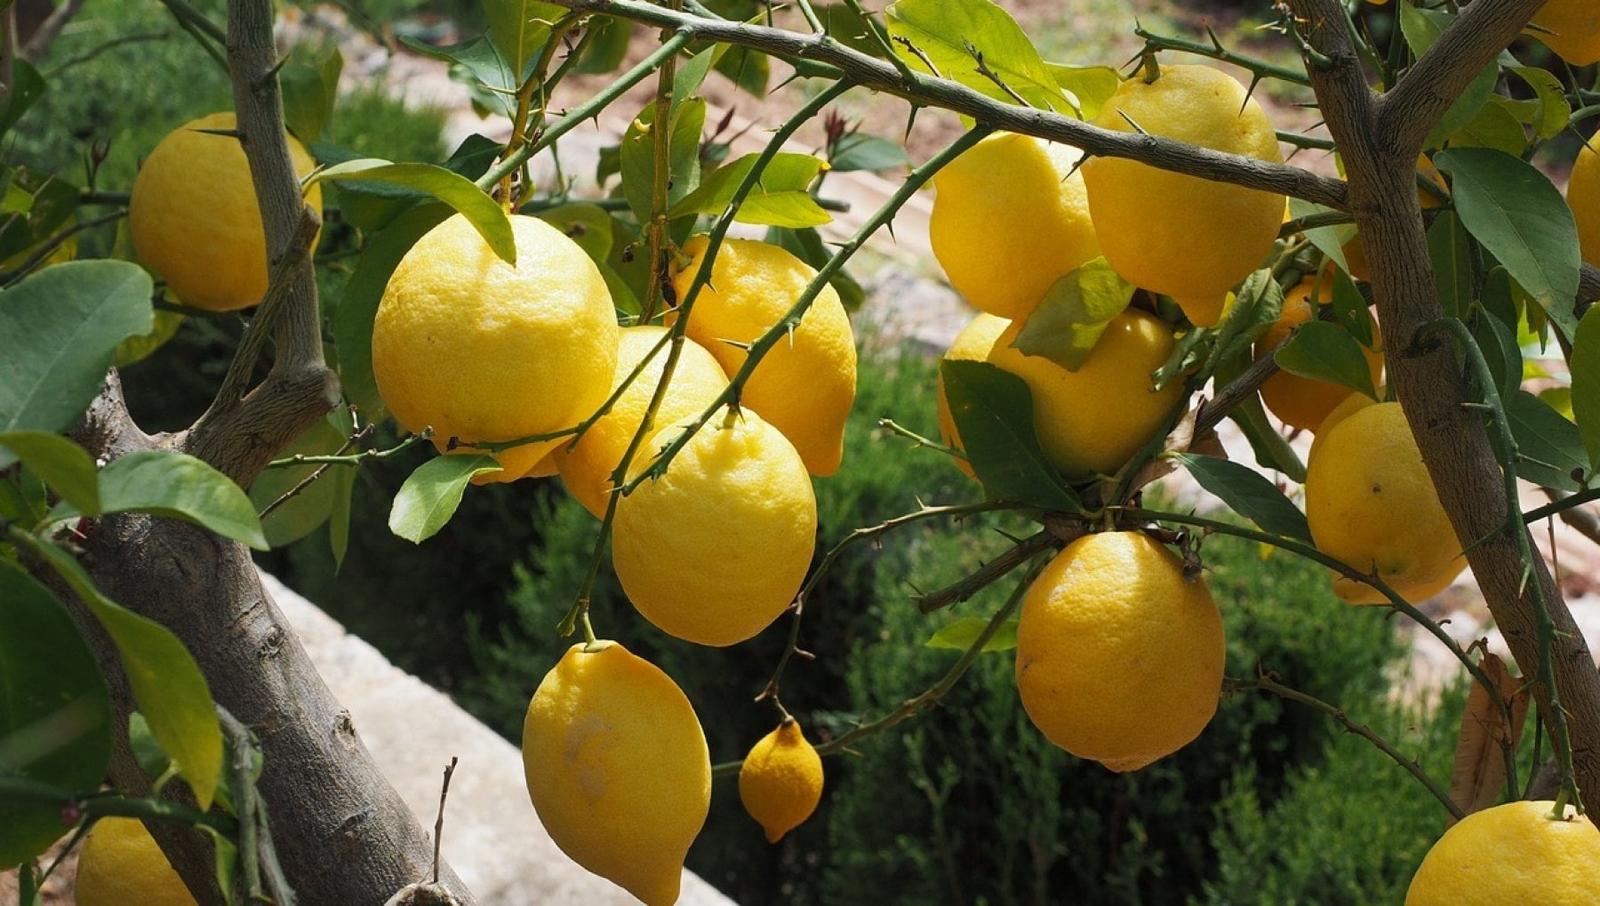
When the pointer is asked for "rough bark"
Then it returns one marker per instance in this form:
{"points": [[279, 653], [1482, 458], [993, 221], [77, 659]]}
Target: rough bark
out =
{"points": [[1453, 439]]}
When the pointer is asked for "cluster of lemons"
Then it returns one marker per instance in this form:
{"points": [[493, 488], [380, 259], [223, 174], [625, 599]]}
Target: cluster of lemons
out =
{"points": [[1120, 647]]}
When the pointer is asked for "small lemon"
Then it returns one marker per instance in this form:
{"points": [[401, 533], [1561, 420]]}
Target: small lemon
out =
{"points": [[806, 384], [193, 216], [1119, 654], [780, 782], [1301, 402], [1512, 853], [696, 380], [1583, 195], [121, 864], [1183, 236], [617, 768], [714, 550], [1571, 28], [1009, 220], [1089, 421], [483, 350], [1371, 505]]}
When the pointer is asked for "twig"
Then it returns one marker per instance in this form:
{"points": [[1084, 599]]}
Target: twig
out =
{"points": [[1216, 51], [880, 36], [438, 822], [1264, 683], [92, 53], [49, 246], [351, 459], [1313, 221], [989, 573], [98, 805], [894, 427], [661, 172]]}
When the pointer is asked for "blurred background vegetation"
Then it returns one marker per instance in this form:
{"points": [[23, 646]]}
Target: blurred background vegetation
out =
{"points": [[966, 804]]}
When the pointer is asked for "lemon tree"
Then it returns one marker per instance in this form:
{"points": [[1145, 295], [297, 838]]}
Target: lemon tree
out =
{"points": [[1401, 340]]}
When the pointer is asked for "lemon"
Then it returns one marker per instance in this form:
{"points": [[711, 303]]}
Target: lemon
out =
{"points": [[714, 550], [806, 384], [1302, 402], [780, 781], [1583, 195], [121, 864], [1009, 220], [972, 344], [696, 380], [617, 768], [1371, 505], [1119, 655], [193, 216], [1571, 29], [1183, 236], [1512, 853], [482, 350], [1089, 421]]}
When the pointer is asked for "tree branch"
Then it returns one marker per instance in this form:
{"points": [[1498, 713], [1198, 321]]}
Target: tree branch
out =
{"points": [[1415, 105], [240, 435], [50, 29], [871, 72]]}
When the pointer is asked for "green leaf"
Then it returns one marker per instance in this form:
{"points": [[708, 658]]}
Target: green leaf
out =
{"points": [[749, 69], [608, 48], [136, 349], [1255, 308], [1270, 448], [1550, 111], [1495, 127], [455, 190], [308, 509], [1326, 352], [637, 156], [310, 87], [61, 327], [519, 29], [37, 207], [167, 684], [1422, 27], [951, 33], [479, 62], [962, 632], [1074, 313], [344, 485], [1450, 249], [807, 245], [1552, 450], [860, 151], [26, 89], [1498, 343], [586, 224], [779, 198], [1092, 85], [358, 306], [431, 494], [176, 486], [1350, 308], [993, 412], [1248, 493], [1586, 383], [1521, 219], [843, 25], [1329, 240], [55, 712], [59, 463]]}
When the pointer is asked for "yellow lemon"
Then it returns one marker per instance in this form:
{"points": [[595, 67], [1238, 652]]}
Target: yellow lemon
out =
{"points": [[121, 864], [780, 782], [617, 768], [1089, 421], [1008, 221], [1185, 237], [1301, 402], [193, 216], [806, 384], [1583, 195], [696, 380], [1571, 28], [482, 350], [1512, 853], [714, 550], [1371, 505], [1119, 654]]}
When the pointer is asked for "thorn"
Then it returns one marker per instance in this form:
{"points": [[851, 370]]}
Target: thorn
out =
{"points": [[1078, 163], [1136, 127], [1215, 42], [1255, 79]]}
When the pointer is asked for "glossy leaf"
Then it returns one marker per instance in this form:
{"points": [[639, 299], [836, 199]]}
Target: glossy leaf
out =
{"points": [[59, 463], [993, 413], [1552, 450], [1495, 127], [637, 156], [1522, 220], [779, 198], [520, 29], [1248, 493], [167, 684], [176, 486], [480, 61], [62, 326], [1586, 383], [431, 494], [962, 632], [455, 190], [1074, 312], [1326, 352], [55, 712], [358, 307], [953, 33], [1091, 85]]}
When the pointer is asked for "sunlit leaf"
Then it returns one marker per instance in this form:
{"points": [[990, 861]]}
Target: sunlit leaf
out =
{"points": [[455, 190], [431, 494], [1075, 311]]}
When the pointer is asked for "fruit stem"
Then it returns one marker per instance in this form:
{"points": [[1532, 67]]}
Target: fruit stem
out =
{"points": [[1150, 67]]}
